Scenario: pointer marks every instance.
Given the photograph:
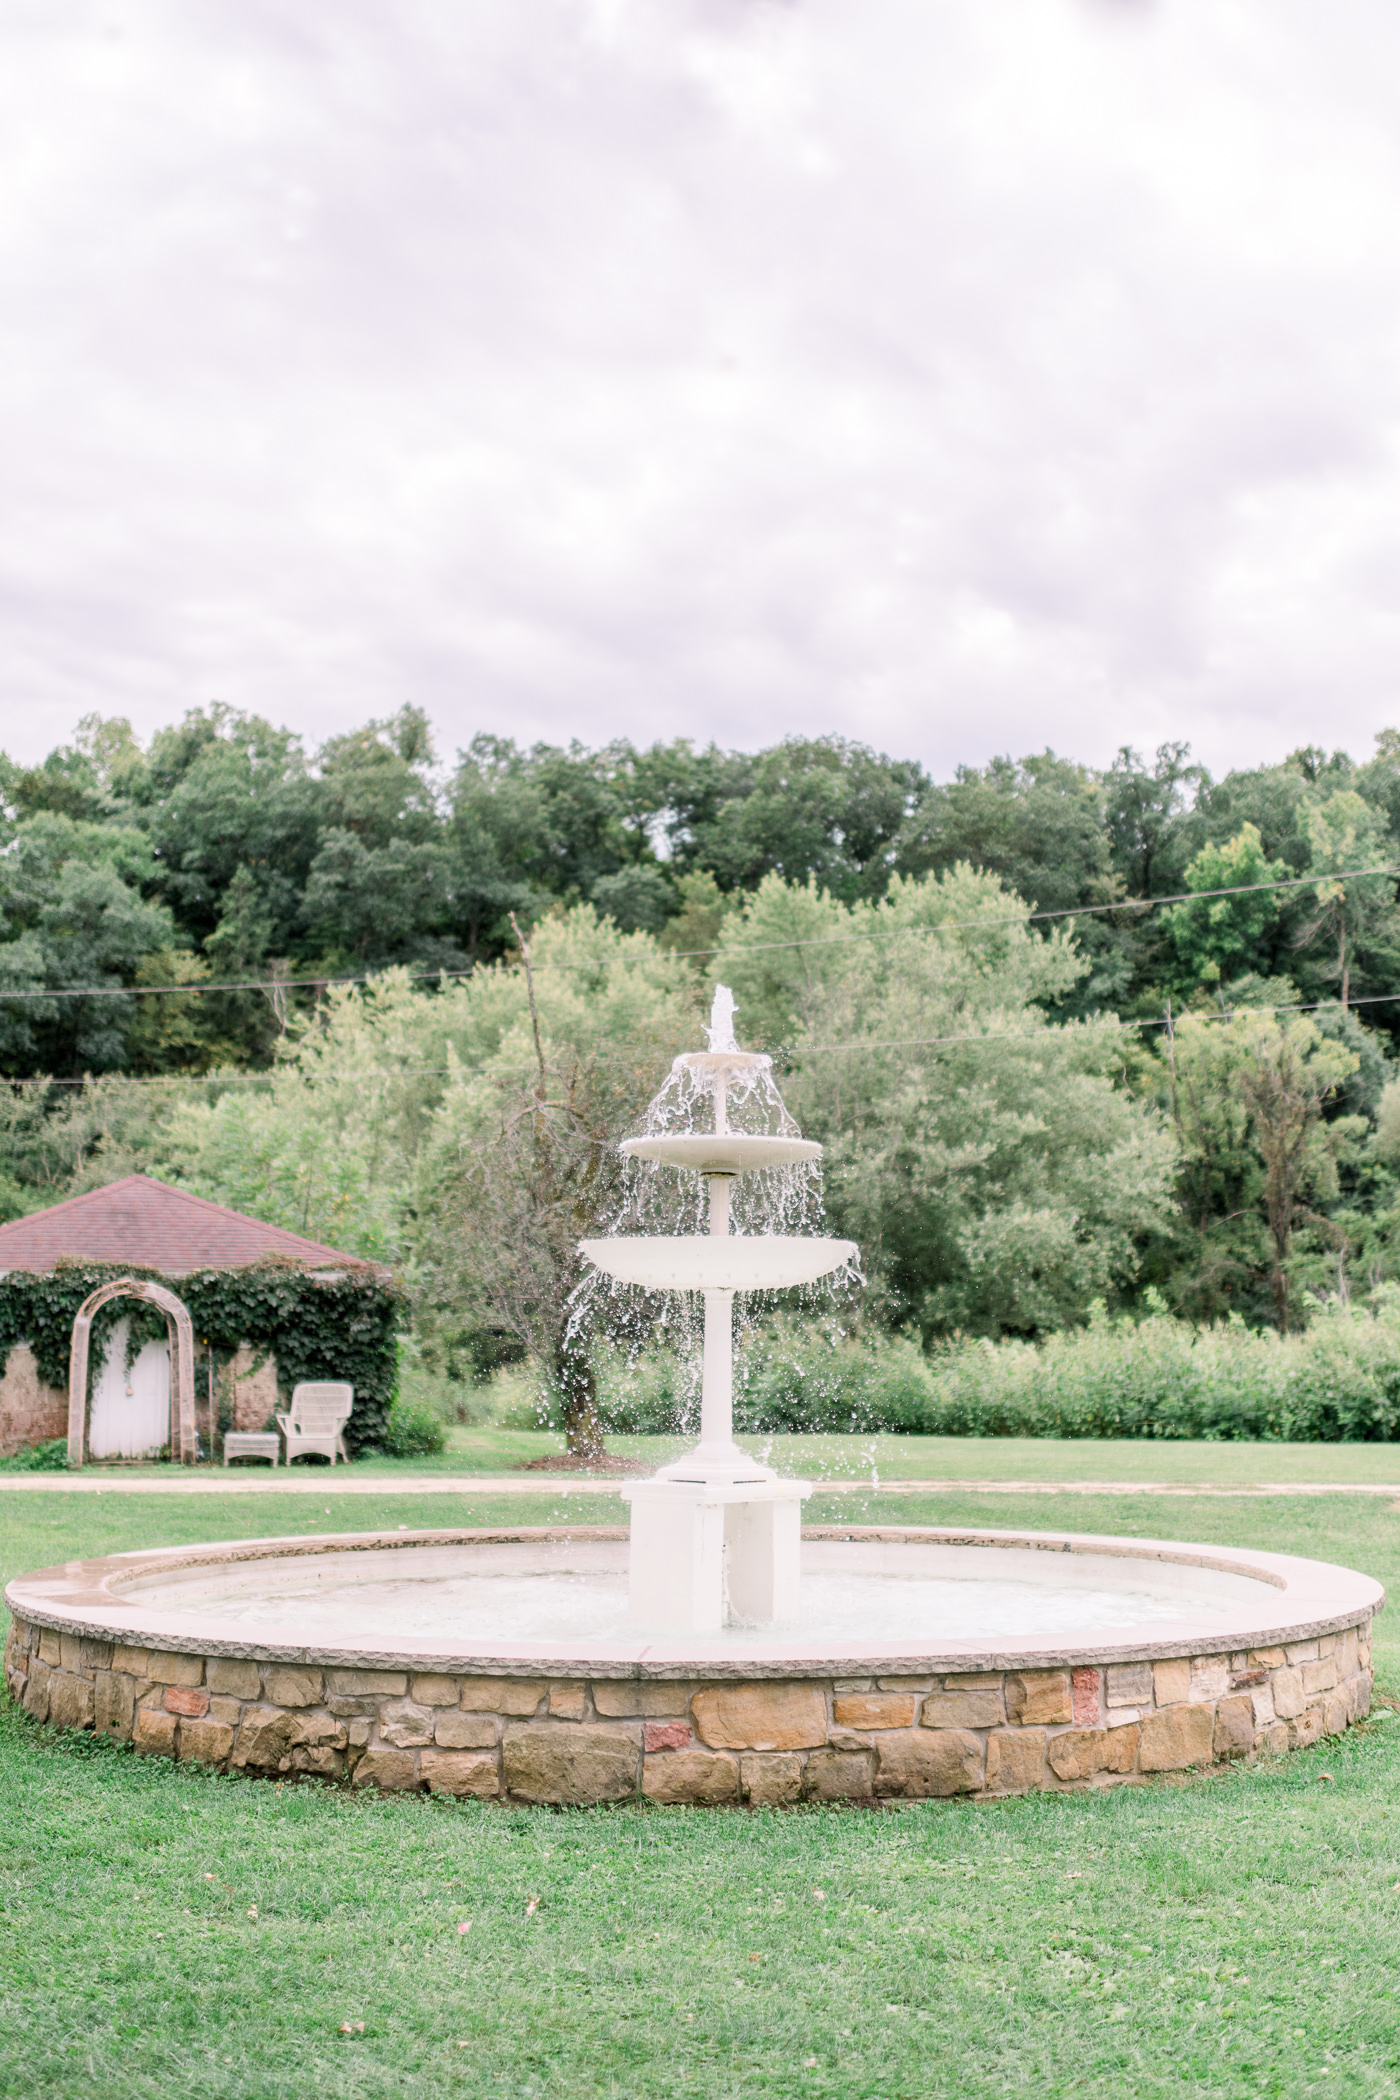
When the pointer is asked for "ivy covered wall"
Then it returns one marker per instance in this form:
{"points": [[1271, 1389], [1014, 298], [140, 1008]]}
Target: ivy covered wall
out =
{"points": [[341, 1327]]}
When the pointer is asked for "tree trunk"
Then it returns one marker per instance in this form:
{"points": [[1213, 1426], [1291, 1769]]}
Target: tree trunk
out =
{"points": [[578, 1398], [1279, 1279], [1280, 1198]]}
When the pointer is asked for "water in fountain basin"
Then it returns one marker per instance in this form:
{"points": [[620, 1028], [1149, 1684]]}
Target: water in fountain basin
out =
{"points": [[585, 1596]]}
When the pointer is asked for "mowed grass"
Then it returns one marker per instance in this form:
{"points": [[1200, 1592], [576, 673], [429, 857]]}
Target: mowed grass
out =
{"points": [[167, 1931], [487, 1449]]}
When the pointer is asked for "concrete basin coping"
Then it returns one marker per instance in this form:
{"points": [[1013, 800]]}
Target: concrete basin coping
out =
{"points": [[1255, 1601]]}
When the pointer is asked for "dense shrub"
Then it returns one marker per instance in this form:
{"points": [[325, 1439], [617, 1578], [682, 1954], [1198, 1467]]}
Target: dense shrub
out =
{"points": [[789, 1376], [414, 1430], [50, 1457], [1337, 1382]]}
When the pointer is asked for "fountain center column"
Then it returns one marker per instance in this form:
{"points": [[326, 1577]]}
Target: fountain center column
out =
{"points": [[717, 1376], [715, 1536]]}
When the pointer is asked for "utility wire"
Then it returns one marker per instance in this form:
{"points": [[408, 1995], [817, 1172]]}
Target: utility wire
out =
{"points": [[1137, 905], [1066, 1030]]}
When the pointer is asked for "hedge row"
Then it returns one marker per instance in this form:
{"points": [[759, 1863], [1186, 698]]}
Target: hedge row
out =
{"points": [[1338, 1382]]}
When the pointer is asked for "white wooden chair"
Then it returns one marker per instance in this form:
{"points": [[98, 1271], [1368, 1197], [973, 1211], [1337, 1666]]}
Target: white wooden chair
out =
{"points": [[317, 1418]]}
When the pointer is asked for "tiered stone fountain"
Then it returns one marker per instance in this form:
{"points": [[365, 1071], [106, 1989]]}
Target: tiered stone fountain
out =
{"points": [[716, 1537]]}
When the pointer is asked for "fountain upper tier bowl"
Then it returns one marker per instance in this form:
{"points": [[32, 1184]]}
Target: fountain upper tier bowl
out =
{"points": [[757, 1262], [719, 1063], [723, 1151]]}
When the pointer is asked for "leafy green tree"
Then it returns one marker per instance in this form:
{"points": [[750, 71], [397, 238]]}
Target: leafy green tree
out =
{"points": [[1039, 825], [376, 783], [1259, 1155], [497, 841], [990, 1163], [228, 791], [1147, 811], [638, 899], [694, 930], [1271, 798], [368, 907], [1356, 918], [780, 950], [327, 1142], [529, 827], [72, 916], [1218, 938], [423, 1128], [810, 806]]}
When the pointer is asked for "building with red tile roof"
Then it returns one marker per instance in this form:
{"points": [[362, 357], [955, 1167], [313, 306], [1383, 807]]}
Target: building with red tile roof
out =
{"points": [[146, 1224]]}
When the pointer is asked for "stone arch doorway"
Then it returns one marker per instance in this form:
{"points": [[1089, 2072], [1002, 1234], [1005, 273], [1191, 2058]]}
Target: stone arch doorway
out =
{"points": [[181, 1331]]}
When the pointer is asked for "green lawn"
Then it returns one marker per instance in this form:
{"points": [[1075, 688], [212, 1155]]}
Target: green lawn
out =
{"points": [[1231, 1935], [488, 1449]]}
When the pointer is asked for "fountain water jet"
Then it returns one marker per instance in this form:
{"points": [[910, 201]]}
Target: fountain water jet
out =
{"points": [[716, 1536]]}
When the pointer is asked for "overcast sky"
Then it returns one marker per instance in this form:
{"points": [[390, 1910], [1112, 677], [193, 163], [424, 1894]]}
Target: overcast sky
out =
{"points": [[959, 377]]}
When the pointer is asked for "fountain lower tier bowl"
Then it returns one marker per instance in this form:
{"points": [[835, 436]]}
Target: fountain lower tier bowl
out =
{"points": [[742, 1262], [722, 1151], [500, 1664]]}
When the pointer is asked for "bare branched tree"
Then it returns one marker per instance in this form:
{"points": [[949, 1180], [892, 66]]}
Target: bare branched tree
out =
{"points": [[535, 1166]]}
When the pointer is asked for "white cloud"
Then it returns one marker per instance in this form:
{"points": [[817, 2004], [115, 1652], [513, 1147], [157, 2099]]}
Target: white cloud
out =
{"points": [[958, 378]]}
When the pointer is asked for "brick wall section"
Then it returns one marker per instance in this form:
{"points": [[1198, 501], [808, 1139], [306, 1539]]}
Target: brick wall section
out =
{"points": [[30, 1411], [251, 1376], [777, 1742]]}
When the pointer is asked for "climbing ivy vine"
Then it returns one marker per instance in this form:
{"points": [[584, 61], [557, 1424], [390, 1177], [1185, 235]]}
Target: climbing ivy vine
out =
{"points": [[345, 1326]]}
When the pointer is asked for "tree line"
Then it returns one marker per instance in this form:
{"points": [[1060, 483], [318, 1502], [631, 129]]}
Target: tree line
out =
{"points": [[1189, 1105], [223, 852]]}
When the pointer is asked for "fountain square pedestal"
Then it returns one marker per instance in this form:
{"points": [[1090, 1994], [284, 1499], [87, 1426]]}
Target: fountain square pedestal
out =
{"points": [[705, 1553]]}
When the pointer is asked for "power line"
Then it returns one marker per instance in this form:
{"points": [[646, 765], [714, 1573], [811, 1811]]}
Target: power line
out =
{"points": [[1138, 905], [1067, 911], [1108, 1023], [1050, 1031]]}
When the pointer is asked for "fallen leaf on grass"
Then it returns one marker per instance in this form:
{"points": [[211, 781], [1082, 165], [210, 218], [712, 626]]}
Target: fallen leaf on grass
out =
{"points": [[1323, 1775]]}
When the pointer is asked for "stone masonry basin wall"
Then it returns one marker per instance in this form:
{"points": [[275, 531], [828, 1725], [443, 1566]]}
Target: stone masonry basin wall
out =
{"points": [[772, 1730]]}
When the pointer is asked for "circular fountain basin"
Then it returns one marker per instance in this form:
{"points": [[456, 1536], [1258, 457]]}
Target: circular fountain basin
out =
{"points": [[926, 1661], [744, 1262]]}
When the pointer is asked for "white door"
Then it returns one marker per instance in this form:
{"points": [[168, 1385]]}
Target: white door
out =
{"points": [[130, 1409]]}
